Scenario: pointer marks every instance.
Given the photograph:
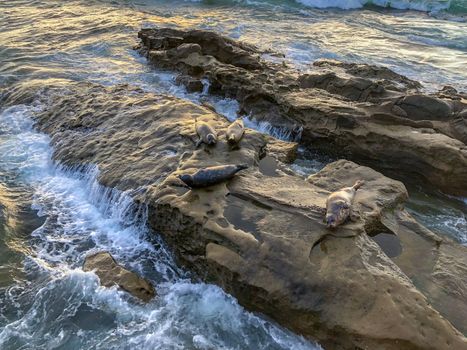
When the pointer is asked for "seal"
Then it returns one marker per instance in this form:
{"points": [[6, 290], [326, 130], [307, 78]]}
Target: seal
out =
{"points": [[211, 175], [206, 133], [339, 203], [235, 132]]}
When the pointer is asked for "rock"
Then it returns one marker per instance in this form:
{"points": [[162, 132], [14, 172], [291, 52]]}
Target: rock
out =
{"points": [[338, 105], [184, 50], [110, 274], [223, 49], [191, 84], [285, 152], [399, 111], [353, 88], [262, 237], [391, 80], [459, 126], [420, 107]]}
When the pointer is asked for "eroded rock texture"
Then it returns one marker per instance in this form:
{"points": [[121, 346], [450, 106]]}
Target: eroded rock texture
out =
{"points": [[261, 235], [364, 113]]}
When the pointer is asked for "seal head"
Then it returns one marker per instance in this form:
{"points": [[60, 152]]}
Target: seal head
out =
{"points": [[187, 179], [211, 139], [339, 213]]}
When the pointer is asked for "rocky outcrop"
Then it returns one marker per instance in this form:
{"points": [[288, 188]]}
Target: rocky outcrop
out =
{"points": [[261, 235], [364, 113], [110, 274]]}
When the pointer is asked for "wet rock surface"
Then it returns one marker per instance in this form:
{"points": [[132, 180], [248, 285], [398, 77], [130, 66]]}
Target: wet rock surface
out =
{"points": [[110, 273], [364, 113], [261, 237]]}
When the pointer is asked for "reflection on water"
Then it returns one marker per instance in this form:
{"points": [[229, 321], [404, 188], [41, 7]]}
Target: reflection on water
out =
{"points": [[268, 166], [389, 243], [93, 40]]}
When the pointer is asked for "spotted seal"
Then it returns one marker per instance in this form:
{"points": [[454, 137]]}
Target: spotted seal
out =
{"points": [[235, 132], [211, 175], [206, 133], [339, 203]]}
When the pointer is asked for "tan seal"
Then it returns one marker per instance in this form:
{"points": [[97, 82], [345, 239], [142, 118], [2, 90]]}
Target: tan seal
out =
{"points": [[206, 133], [235, 132], [339, 204]]}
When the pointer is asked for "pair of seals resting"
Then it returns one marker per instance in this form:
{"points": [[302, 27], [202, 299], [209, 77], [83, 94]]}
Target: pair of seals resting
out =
{"points": [[339, 204], [208, 135], [216, 174]]}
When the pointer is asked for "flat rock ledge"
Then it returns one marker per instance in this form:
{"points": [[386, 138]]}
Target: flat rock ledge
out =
{"points": [[262, 237], [111, 274], [360, 112]]}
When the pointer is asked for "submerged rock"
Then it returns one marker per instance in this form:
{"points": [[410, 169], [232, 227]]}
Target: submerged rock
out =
{"points": [[261, 237], [110, 274], [365, 113], [191, 84]]}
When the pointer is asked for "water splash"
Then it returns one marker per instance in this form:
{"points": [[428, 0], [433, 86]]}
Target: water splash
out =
{"points": [[58, 305]]}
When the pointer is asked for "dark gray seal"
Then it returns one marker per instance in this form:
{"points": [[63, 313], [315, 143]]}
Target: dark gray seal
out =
{"points": [[211, 175], [206, 133]]}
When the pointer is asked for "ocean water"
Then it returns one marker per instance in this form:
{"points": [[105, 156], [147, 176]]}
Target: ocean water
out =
{"points": [[51, 218]]}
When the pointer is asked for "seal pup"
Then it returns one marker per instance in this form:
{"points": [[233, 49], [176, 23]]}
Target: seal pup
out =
{"points": [[235, 132], [206, 133], [339, 204], [211, 175]]}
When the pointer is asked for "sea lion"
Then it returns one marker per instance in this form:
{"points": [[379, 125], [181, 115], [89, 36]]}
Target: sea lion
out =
{"points": [[339, 203], [235, 132], [206, 133], [211, 175]]}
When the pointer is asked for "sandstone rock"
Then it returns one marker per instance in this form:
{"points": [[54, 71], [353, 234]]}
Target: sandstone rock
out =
{"points": [[262, 238], [387, 77], [338, 105], [459, 126], [399, 111], [110, 274], [420, 107]]}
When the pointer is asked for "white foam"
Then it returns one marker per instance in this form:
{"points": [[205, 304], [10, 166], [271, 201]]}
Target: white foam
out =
{"points": [[342, 4], [57, 301], [418, 5]]}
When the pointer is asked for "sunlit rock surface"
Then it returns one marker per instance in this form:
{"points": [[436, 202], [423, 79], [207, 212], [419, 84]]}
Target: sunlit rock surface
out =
{"points": [[261, 235], [365, 113], [111, 274]]}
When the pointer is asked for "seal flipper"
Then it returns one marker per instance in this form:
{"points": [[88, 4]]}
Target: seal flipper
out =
{"points": [[234, 147], [358, 184], [198, 143]]}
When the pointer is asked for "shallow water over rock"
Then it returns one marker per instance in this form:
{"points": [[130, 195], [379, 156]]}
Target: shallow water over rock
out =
{"points": [[389, 243]]}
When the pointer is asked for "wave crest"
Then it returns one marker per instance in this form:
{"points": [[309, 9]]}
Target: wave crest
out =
{"points": [[457, 6]]}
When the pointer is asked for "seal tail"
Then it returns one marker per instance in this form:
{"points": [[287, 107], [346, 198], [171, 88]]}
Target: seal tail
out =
{"points": [[242, 166], [358, 184]]}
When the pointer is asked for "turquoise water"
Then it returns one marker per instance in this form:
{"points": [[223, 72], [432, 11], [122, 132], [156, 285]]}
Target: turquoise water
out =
{"points": [[50, 218]]}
